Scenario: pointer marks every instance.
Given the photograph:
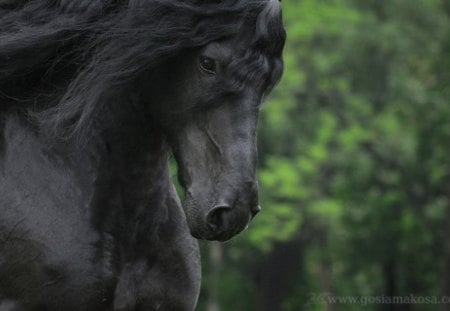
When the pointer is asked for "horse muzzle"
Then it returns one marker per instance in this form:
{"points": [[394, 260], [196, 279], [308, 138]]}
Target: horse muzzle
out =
{"points": [[223, 220]]}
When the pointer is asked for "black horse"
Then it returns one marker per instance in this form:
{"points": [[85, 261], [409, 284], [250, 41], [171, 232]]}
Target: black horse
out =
{"points": [[94, 97]]}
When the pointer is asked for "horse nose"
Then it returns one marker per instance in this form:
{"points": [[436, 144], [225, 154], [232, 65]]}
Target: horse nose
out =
{"points": [[225, 221], [216, 218]]}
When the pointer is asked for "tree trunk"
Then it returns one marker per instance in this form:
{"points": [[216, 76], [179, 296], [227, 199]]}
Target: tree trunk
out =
{"points": [[215, 256], [325, 277], [278, 275], [446, 255]]}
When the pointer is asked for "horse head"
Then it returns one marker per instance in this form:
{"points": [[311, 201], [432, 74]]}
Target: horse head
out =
{"points": [[209, 99]]}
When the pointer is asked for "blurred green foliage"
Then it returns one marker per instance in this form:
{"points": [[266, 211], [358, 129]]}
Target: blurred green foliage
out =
{"points": [[354, 172]]}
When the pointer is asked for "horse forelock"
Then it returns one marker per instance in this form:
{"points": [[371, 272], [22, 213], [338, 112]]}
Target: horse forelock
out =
{"points": [[115, 42]]}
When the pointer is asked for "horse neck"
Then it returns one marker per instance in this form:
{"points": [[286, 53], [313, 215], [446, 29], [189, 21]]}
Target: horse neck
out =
{"points": [[133, 182]]}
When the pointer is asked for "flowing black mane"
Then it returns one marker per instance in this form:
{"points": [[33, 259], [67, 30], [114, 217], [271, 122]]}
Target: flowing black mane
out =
{"points": [[78, 55]]}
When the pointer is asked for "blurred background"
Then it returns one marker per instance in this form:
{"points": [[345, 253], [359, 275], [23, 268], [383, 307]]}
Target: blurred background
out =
{"points": [[354, 149]]}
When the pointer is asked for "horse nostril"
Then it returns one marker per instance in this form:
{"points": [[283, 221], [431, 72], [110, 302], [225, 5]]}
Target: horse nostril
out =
{"points": [[216, 218], [255, 210]]}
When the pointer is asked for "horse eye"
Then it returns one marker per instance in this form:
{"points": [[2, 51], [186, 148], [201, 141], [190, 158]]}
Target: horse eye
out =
{"points": [[207, 64]]}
